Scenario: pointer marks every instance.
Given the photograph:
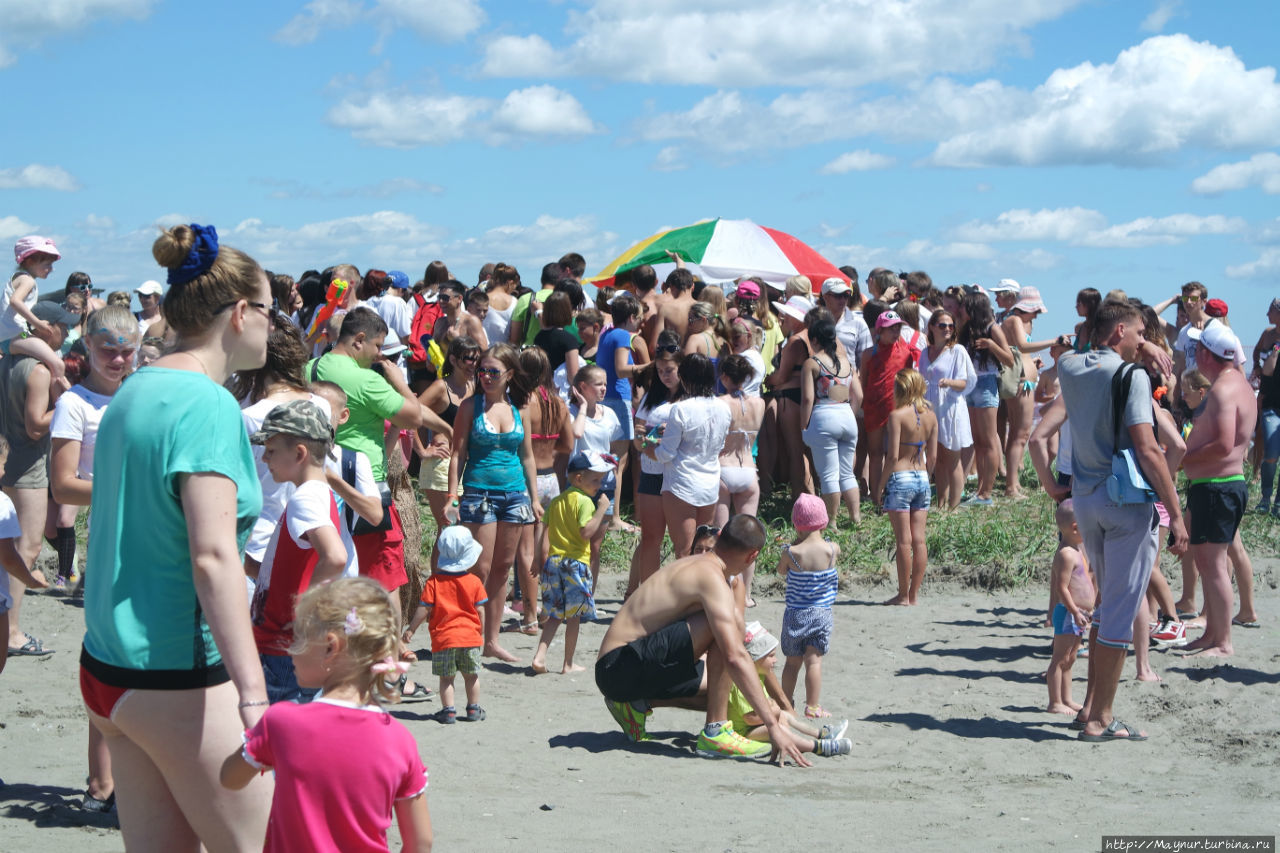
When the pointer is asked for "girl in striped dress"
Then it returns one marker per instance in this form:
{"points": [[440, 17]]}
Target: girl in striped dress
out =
{"points": [[808, 565]]}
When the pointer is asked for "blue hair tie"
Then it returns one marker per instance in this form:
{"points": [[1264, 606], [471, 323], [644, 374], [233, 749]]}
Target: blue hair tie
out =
{"points": [[201, 257]]}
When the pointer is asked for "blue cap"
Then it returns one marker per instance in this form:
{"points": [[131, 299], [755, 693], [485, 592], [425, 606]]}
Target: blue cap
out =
{"points": [[398, 279]]}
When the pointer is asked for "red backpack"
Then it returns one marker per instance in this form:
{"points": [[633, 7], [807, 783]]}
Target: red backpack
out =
{"points": [[424, 320]]}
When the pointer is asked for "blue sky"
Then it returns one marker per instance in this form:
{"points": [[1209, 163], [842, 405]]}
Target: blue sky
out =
{"points": [[1063, 143]]}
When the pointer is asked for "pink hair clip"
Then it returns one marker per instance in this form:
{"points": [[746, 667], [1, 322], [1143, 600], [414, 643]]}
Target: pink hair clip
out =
{"points": [[389, 664], [352, 624]]}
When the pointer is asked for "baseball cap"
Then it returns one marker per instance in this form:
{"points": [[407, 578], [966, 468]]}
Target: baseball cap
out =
{"points": [[149, 288], [28, 246], [398, 279], [585, 460], [1006, 285], [301, 418], [53, 312], [1215, 308], [748, 290], [888, 318], [834, 285], [458, 551], [1216, 338]]}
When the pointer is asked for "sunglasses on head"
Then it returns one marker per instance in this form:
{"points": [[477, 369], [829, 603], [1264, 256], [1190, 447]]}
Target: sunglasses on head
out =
{"points": [[706, 530], [669, 349]]}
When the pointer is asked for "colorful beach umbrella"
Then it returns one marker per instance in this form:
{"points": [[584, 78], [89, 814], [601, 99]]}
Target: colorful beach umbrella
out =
{"points": [[721, 250]]}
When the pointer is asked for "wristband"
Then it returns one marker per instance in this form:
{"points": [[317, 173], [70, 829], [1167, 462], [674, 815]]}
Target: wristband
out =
{"points": [[255, 703]]}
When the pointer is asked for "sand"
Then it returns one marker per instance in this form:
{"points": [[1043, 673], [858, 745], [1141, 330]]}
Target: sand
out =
{"points": [[952, 747]]}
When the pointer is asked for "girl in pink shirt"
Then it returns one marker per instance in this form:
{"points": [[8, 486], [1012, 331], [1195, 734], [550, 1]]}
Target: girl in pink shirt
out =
{"points": [[339, 797]]}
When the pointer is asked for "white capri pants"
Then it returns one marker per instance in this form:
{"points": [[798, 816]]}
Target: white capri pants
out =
{"points": [[832, 436]]}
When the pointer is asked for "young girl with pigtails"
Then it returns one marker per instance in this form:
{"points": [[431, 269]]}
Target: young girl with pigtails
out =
{"points": [[341, 796]]}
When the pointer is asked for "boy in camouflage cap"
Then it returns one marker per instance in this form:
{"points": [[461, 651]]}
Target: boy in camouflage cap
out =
{"points": [[306, 549]]}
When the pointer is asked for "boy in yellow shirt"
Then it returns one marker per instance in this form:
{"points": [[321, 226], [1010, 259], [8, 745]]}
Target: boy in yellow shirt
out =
{"points": [[571, 519]]}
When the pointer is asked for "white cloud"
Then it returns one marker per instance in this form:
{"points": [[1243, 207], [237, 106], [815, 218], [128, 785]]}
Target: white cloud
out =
{"points": [[1164, 94], [94, 222], [38, 177], [28, 22], [11, 227], [520, 56], [830, 232], [857, 161], [1267, 265], [405, 120], [778, 42], [384, 234], [1155, 22], [926, 250], [669, 159], [1260, 170], [439, 20], [1081, 226], [541, 111], [1037, 259]]}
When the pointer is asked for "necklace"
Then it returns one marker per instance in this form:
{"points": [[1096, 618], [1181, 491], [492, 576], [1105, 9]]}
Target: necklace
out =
{"points": [[198, 360]]}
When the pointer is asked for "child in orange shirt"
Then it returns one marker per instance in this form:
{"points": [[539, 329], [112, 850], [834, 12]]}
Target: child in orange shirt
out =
{"points": [[451, 599]]}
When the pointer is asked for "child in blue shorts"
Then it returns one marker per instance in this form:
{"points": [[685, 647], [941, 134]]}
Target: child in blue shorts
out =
{"points": [[1073, 595], [572, 520], [808, 565]]}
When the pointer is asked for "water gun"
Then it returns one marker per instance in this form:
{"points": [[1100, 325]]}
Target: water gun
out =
{"points": [[332, 299]]}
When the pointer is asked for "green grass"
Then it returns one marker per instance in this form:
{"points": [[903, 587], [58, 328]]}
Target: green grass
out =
{"points": [[1006, 546]]}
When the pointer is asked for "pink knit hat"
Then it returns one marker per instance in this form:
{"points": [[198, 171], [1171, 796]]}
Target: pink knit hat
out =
{"points": [[809, 513]]}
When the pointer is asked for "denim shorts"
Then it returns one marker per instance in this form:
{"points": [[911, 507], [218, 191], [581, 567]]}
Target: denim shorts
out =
{"points": [[282, 682], [622, 408], [907, 490], [985, 393], [481, 506]]}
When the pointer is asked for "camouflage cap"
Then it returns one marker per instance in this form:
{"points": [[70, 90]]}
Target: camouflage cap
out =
{"points": [[302, 418]]}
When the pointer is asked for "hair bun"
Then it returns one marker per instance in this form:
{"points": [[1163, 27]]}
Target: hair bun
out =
{"points": [[173, 245]]}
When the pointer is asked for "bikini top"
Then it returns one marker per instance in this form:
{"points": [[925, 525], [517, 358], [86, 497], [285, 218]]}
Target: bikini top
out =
{"points": [[827, 378], [918, 445], [450, 413], [748, 434]]}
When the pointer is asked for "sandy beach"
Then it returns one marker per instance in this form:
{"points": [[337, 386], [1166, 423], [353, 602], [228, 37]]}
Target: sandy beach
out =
{"points": [[952, 748]]}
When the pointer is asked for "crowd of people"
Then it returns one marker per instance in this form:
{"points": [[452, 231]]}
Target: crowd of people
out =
{"points": [[272, 445]]}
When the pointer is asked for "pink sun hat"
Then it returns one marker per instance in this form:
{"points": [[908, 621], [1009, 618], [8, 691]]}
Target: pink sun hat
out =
{"points": [[28, 246]]}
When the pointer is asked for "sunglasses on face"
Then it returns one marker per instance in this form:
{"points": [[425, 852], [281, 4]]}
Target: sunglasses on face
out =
{"points": [[1194, 300], [490, 372], [945, 325], [270, 308], [470, 359]]}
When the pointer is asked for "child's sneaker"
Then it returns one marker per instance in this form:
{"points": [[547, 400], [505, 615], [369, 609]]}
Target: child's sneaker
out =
{"points": [[833, 746], [834, 729], [815, 712], [1170, 634], [474, 714], [447, 715], [90, 803], [730, 744], [631, 720]]}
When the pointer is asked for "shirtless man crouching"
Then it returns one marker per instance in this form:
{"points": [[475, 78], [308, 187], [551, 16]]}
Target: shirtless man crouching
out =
{"points": [[1217, 494], [650, 656]]}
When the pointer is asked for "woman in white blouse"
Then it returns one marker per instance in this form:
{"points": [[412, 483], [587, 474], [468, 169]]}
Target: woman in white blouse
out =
{"points": [[690, 452], [949, 373]]}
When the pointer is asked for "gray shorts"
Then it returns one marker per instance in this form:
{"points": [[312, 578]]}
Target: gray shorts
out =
{"points": [[1120, 541]]}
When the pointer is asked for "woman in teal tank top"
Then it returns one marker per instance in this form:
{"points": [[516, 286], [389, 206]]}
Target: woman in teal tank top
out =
{"points": [[493, 460]]}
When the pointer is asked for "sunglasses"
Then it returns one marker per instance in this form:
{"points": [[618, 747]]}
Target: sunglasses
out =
{"points": [[669, 349], [945, 325], [471, 359], [706, 530], [1194, 300], [491, 372], [270, 308]]}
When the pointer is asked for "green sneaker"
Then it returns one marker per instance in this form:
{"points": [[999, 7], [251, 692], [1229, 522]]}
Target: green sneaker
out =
{"points": [[730, 744], [631, 720]]}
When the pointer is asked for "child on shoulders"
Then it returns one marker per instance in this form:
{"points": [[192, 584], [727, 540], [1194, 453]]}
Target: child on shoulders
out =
{"points": [[566, 583], [1073, 597], [342, 764], [305, 549], [808, 565], [451, 600]]}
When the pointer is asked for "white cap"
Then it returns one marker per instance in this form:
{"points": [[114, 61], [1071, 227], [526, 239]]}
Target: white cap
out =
{"points": [[1006, 285], [149, 288]]}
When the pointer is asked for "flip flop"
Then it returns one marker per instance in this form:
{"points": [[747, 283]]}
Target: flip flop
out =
{"points": [[1241, 623], [31, 648], [1077, 725], [1184, 615], [1109, 733]]}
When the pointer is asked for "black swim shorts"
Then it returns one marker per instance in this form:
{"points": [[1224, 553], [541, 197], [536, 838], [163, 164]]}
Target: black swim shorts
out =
{"points": [[659, 666], [1216, 509]]}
